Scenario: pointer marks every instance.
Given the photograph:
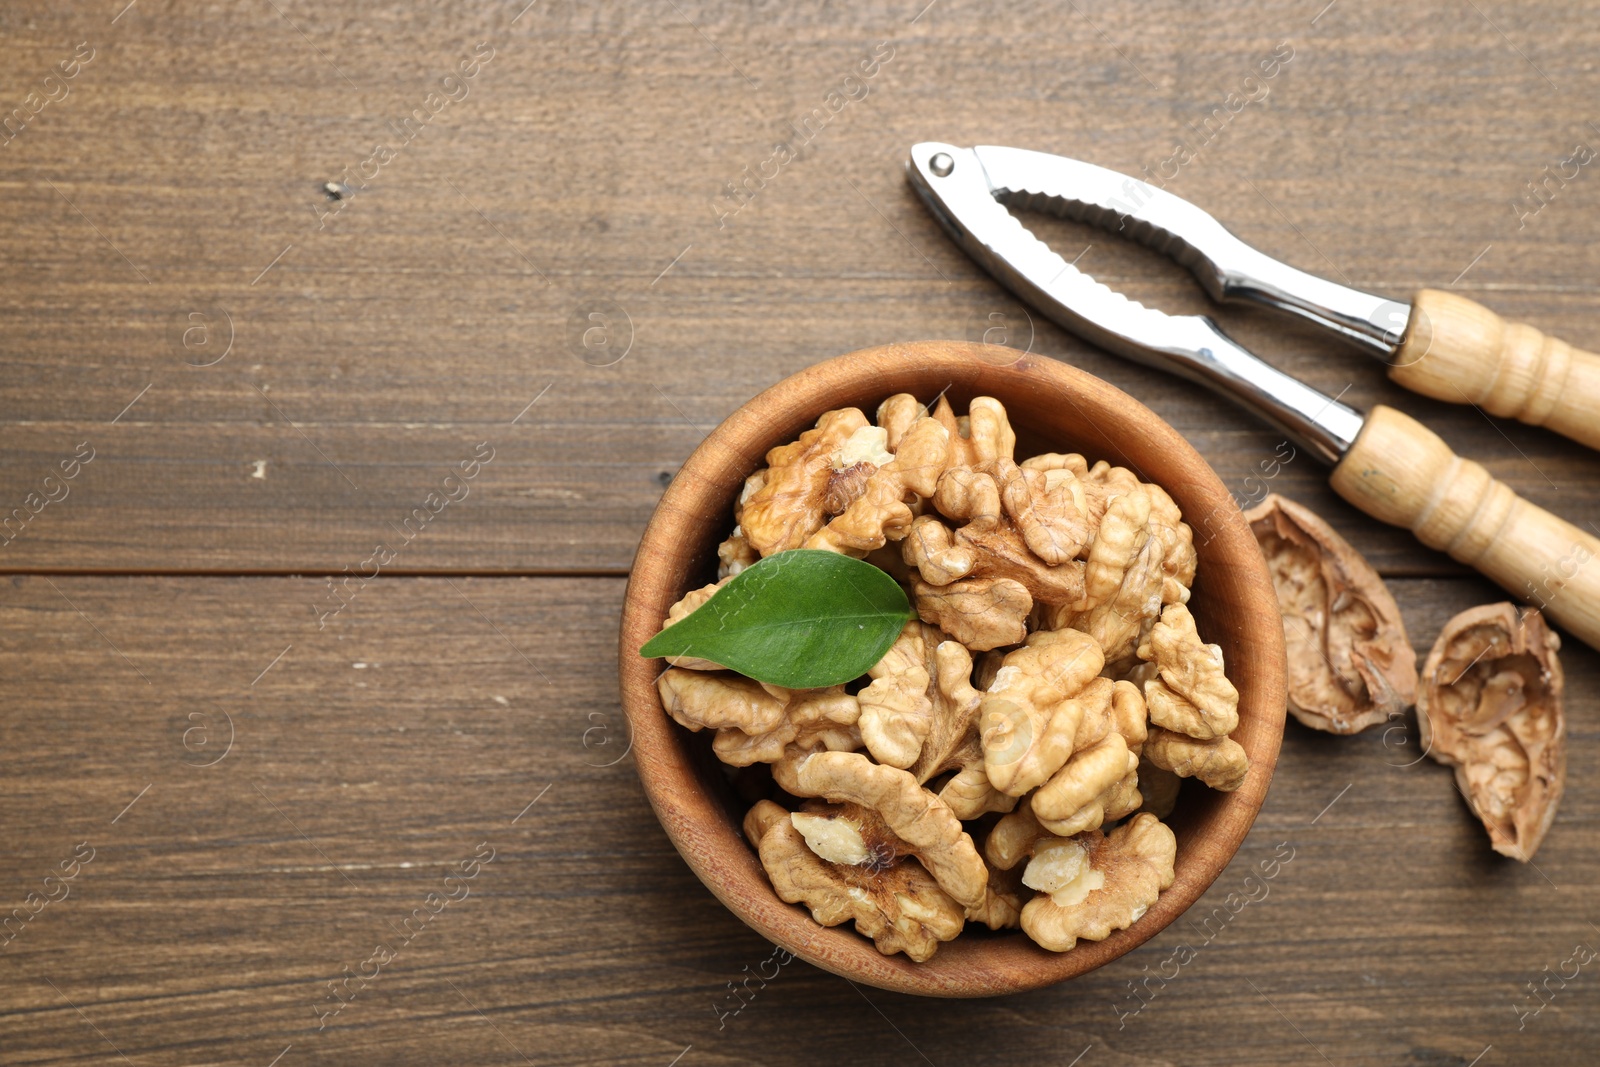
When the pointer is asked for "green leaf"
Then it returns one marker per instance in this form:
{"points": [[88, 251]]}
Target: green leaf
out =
{"points": [[801, 619]]}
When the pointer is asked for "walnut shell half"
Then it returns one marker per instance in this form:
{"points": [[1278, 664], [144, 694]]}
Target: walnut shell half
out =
{"points": [[1350, 662], [1490, 706]]}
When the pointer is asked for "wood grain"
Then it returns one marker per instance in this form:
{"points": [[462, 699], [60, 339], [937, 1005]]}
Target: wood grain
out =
{"points": [[1400, 472], [591, 152], [218, 906], [1402, 148], [1459, 351]]}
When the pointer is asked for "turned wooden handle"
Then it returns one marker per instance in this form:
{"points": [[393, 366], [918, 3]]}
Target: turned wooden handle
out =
{"points": [[1399, 471], [1462, 352]]}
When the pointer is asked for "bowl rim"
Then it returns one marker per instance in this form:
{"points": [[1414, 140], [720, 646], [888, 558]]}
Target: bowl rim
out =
{"points": [[706, 833]]}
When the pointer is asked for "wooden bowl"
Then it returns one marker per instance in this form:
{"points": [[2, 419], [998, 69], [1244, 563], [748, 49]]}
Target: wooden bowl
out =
{"points": [[1053, 407]]}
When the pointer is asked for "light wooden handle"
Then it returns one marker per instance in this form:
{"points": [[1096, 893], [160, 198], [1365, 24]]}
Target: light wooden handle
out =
{"points": [[1461, 352], [1399, 471]]}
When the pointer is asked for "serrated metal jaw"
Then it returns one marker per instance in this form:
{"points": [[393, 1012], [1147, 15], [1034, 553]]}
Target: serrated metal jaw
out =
{"points": [[1226, 267], [968, 190]]}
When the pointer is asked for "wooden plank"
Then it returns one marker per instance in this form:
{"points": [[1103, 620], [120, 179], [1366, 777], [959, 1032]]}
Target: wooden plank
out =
{"points": [[182, 175], [372, 352], [371, 758]]}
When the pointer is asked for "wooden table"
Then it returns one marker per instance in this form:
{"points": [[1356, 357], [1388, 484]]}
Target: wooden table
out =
{"points": [[540, 267]]}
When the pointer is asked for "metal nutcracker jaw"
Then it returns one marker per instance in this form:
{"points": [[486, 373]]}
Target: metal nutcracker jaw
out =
{"points": [[967, 189]]}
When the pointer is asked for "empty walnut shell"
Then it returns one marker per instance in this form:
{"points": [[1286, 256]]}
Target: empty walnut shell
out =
{"points": [[1490, 706], [1350, 662]]}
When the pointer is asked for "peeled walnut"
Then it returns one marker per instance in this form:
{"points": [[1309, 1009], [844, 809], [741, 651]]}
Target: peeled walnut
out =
{"points": [[1220, 762], [1122, 577], [1013, 838], [981, 613], [849, 834], [789, 504], [1051, 725], [1100, 783], [930, 831], [702, 701], [1049, 509], [981, 436], [987, 544], [920, 682], [755, 722], [1094, 883], [920, 713], [1093, 784], [970, 794], [1122, 532], [899, 906], [1490, 706], [952, 741], [812, 719], [1003, 898], [1350, 663], [737, 553], [882, 484], [949, 741], [1191, 693], [1178, 558], [1031, 714], [1009, 507], [897, 414], [1140, 558]]}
